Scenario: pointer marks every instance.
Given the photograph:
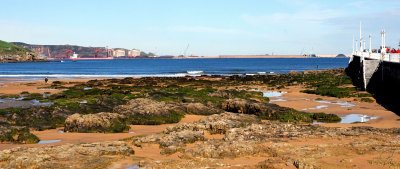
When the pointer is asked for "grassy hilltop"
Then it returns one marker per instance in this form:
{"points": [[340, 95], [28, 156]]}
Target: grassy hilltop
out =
{"points": [[14, 53], [9, 48]]}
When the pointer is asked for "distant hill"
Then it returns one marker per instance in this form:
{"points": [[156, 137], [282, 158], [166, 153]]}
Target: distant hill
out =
{"points": [[60, 51], [14, 53]]}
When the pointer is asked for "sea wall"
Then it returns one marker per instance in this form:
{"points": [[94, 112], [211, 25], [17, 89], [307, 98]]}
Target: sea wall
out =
{"points": [[384, 82]]}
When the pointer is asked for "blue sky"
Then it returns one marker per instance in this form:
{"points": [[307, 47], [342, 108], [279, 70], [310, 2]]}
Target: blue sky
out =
{"points": [[211, 27]]}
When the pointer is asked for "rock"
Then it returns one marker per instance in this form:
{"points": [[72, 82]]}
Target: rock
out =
{"points": [[217, 123], [27, 57], [100, 122], [144, 107], [267, 111], [17, 134], [224, 149], [201, 109], [149, 112], [172, 142], [92, 155]]}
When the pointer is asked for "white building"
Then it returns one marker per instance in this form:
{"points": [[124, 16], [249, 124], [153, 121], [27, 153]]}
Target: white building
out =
{"points": [[134, 53], [119, 52]]}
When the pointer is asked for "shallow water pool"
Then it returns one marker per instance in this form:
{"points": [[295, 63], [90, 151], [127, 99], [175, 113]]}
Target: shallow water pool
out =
{"points": [[357, 118], [273, 94], [48, 141]]}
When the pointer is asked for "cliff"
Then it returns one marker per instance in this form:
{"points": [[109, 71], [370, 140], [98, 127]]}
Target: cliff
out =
{"points": [[10, 53], [59, 51]]}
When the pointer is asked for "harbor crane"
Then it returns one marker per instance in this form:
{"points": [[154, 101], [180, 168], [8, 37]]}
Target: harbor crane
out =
{"points": [[96, 52], [68, 53], [184, 54]]}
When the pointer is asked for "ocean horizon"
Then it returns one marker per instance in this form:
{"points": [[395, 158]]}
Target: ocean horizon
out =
{"points": [[163, 67]]}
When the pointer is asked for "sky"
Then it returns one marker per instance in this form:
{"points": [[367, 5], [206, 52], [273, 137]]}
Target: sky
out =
{"points": [[208, 27]]}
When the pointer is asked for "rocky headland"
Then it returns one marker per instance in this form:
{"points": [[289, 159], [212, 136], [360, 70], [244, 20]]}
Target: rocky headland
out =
{"points": [[10, 53]]}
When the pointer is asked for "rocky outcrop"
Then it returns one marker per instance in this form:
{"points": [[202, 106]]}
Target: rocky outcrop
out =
{"points": [[224, 149], [271, 111], [201, 109], [253, 107], [175, 138], [17, 134], [92, 155], [144, 107], [150, 112], [27, 57], [216, 124], [100, 122]]}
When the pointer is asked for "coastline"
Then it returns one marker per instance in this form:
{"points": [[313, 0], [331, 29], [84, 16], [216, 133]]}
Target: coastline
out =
{"points": [[291, 97]]}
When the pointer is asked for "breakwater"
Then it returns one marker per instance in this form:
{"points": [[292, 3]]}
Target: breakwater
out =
{"points": [[379, 77]]}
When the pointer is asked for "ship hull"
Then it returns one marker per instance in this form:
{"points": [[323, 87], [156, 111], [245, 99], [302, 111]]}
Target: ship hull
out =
{"points": [[106, 58]]}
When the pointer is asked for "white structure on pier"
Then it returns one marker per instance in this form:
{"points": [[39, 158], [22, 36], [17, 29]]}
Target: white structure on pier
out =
{"points": [[378, 54]]}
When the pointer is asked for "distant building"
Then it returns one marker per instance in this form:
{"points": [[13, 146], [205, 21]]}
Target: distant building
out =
{"points": [[134, 53], [119, 52]]}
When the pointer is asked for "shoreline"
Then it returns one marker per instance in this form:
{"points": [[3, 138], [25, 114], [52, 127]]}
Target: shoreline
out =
{"points": [[291, 96]]}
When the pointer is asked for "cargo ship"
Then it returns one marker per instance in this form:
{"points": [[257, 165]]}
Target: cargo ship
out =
{"points": [[75, 57]]}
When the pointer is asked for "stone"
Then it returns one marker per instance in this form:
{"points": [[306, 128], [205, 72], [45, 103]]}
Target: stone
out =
{"points": [[100, 122]]}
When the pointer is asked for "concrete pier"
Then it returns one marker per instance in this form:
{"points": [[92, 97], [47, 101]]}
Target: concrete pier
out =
{"points": [[379, 77]]}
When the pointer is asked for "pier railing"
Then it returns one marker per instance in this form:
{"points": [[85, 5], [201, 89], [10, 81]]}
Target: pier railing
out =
{"points": [[389, 57]]}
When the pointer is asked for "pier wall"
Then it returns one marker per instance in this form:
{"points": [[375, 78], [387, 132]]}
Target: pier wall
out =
{"points": [[383, 82]]}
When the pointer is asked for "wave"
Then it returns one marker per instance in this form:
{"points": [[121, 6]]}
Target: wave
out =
{"points": [[95, 76]]}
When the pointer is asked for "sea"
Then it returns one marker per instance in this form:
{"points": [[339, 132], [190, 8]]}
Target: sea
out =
{"points": [[119, 68]]}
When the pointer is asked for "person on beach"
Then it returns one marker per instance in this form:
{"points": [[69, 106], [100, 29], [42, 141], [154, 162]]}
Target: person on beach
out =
{"points": [[46, 79]]}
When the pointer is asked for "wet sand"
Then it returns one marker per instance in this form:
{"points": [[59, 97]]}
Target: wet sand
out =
{"points": [[308, 103], [75, 138]]}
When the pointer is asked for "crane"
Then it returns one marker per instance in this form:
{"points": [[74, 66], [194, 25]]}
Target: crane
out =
{"points": [[184, 54], [96, 52], [68, 53]]}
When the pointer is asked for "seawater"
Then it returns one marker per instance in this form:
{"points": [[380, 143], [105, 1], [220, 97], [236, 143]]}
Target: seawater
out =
{"points": [[163, 67]]}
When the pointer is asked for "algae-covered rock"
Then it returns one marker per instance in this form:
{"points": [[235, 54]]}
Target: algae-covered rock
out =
{"points": [[147, 111], [100, 122], [17, 134]]}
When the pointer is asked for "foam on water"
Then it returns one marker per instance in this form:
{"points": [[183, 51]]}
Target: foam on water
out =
{"points": [[273, 94], [353, 118], [195, 72], [48, 141]]}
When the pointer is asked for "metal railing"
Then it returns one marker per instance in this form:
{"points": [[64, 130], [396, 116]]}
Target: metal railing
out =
{"points": [[389, 57]]}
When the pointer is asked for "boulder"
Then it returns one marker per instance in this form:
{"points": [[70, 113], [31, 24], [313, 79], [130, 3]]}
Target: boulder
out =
{"points": [[201, 109], [144, 107], [100, 122]]}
